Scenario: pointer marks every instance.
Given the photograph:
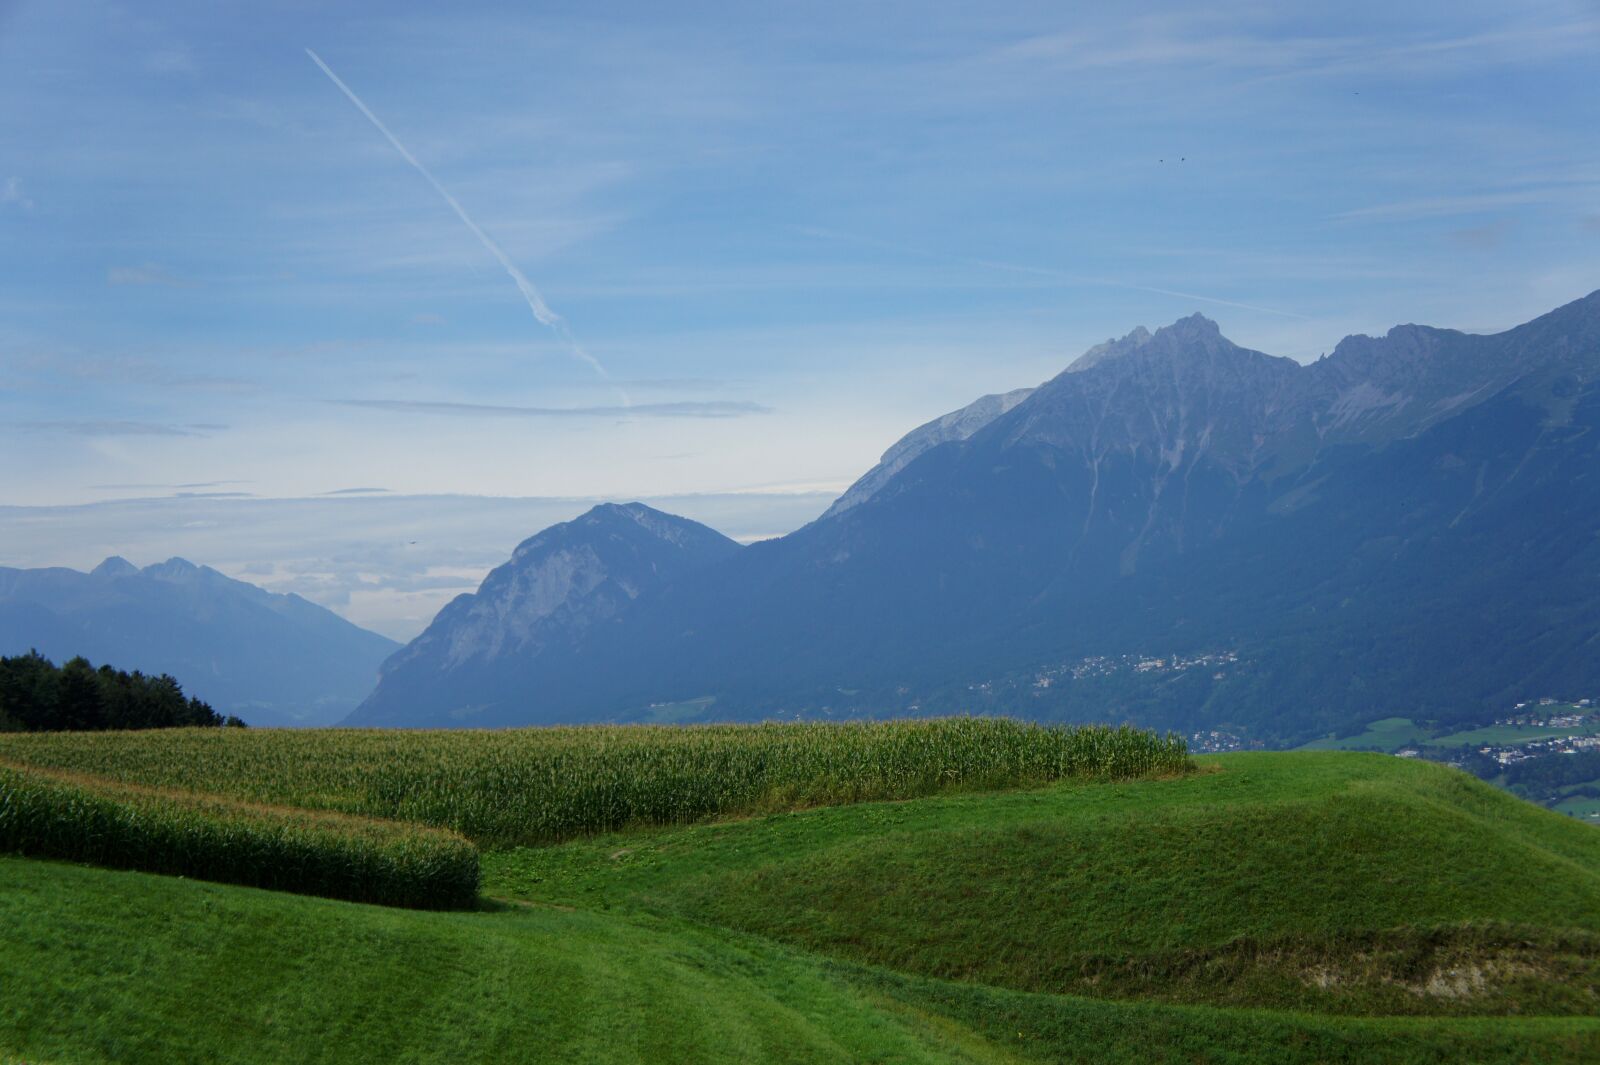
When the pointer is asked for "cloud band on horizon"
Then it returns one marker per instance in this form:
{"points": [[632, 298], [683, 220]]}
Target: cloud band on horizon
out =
{"points": [[119, 427], [680, 409]]}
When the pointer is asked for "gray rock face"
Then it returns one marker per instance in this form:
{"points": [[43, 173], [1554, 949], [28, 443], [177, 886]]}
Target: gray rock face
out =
{"points": [[1407, 522], [1110, 349], [957, 425], [1186, 393], [1172, 396], [565, 580], [558, 588]]}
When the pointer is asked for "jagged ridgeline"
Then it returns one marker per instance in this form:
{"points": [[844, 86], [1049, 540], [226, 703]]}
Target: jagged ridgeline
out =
{"points": [[1293, 549], [544, 785]]}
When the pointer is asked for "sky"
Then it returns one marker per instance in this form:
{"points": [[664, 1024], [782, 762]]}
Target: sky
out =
{"points": [[288, 287]]}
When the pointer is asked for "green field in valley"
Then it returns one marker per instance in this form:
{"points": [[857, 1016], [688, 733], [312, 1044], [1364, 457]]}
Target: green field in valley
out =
{"points": [[1265, 907], [1584, 807], [1392, 733], [1388, 734], [681, 712], [1507, 735]]}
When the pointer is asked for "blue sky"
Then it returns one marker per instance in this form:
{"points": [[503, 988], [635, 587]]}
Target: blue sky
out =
{"points": [[786, 233]]}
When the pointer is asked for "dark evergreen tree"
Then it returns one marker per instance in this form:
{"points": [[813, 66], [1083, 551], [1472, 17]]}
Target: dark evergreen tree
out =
{"points": [[37, 696]]}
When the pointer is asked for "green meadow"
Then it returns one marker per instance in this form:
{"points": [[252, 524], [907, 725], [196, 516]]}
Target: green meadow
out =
{"points": [[1387, 734], [1240, 908]]}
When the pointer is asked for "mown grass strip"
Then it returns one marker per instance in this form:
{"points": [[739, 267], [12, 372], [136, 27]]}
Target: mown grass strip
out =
{"points": [[121, 826], [534, 786]]}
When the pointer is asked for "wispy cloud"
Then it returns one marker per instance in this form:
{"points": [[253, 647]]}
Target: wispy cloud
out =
{"points": [[146, 274], [127, 370], [173, 60], [114, 427], [1042, 271], [1196, 40], [666, 384], [357, 492], [190, 485], [1490, 237], [683, 409], [11, 195], [1446, 206], [831, 486]]}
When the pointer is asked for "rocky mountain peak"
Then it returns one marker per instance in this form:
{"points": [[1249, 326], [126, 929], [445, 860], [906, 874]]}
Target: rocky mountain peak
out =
{"points": [[174, 568], [1194, 335], [1188, 340], [604, 512], [115, 566], [563, 581], [1401, 344], [1110, 349], [1195, 327], [657, 523], [626, 520]]}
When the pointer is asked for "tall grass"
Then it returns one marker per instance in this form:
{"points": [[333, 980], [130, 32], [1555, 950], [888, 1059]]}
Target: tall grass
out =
{"points": [[52, 814], [530, 786]]}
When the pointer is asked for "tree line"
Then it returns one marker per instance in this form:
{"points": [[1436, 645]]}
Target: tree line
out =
{"points": [[38, 696]]}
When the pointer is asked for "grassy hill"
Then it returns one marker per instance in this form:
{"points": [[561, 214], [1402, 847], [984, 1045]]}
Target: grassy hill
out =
{"points": [[1312, 907], [1336, 882], [127, 967]]}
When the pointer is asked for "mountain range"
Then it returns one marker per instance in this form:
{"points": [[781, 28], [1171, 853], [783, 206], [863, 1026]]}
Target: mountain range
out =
{"points": [[1174, 530], [270, 659]]}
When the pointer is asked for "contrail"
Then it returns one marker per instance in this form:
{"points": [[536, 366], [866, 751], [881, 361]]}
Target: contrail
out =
{"points": [[541, 310]]}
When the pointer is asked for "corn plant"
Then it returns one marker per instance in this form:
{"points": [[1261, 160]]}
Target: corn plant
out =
{"points": [[533, 786], [52, 814]]}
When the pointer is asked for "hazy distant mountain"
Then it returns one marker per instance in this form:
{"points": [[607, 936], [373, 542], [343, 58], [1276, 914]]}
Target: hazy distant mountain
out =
{"points": [[1175, 530], [271, 659]]}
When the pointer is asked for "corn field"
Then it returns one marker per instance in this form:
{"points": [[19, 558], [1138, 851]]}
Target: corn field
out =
{"points": [[535, 786], [50, 814]]}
